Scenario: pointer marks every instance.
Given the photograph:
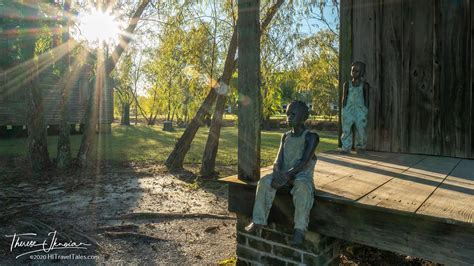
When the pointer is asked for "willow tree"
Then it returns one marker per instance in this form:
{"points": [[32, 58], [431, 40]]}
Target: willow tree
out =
{"points": [[122, 84], [175, 69], [212, 144], [176, 158], [85, 154], [319, 72], [35, 46], [38, 155]]}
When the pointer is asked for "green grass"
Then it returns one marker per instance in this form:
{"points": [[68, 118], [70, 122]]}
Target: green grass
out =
{"points": [[150, 143]]}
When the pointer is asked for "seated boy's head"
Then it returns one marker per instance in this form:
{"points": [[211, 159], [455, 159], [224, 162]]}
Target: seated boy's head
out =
{"points": [[296, 113]]}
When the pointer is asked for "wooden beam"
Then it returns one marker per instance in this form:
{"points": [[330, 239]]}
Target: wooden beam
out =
{"points": [[470, 137], [345, 53], [471, 132], [250, 106]]}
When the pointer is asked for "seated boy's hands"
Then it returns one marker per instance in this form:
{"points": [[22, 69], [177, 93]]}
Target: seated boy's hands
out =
{"points": [[279, 179]]}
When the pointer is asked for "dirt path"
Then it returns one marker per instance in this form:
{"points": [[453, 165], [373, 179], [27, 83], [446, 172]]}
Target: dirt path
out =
{"points": [[141, 216]]}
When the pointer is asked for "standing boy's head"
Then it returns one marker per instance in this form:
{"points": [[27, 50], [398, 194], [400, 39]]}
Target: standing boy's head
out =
{"points": [[357, 69], [296, 113]]}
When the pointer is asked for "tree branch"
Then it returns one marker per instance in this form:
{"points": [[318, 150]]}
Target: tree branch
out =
{"points": [[125, 38]]}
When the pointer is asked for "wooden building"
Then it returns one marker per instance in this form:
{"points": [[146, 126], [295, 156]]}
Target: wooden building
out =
{"points": [[13, 99], [16, 27], [420, 67]]}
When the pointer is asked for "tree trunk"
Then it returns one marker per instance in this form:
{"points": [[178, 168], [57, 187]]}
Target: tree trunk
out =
{"points": [[185, 113], [169, 110], [86, 149], [38, 156], [136, 112], [176, 158], [125, 38], [64, 157], [169, 100], [212, 144], [125, 119], [173, 113]]}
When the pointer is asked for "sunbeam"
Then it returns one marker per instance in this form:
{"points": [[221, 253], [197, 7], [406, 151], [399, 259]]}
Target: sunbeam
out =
{"points": [[69, 79], [26, 71]]}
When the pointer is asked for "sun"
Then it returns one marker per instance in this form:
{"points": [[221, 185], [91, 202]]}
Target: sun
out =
{"points": [[96, 27]]}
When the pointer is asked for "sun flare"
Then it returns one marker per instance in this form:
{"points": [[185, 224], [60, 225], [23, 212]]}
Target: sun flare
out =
{"points": [[96, 27]]}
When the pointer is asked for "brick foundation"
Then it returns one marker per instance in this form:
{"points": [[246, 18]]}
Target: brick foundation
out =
{"points": [[270, 246]]}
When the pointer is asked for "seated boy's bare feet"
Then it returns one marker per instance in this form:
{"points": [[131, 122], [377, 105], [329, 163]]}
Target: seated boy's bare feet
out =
{"points": [[298, 238], [342, 151], [252, 227]]}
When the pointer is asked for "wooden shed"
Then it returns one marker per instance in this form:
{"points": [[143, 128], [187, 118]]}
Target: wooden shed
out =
{"points": [[13, 96], [17, 35], [420, 67]]}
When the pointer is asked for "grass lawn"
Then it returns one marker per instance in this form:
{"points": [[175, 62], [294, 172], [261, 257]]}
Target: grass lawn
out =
{"points": [[150, 143]]}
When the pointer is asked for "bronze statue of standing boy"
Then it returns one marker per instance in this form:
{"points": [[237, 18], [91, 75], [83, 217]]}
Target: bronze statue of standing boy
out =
{"points": [[294, 165], [355, 98]]}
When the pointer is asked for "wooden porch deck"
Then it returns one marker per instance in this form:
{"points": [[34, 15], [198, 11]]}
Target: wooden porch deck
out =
{"points": [[413, 204], [440, 187]]}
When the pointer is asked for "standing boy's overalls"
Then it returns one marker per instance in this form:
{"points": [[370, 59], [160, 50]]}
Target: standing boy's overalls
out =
{"points": [[303, 186], [355, 112]]}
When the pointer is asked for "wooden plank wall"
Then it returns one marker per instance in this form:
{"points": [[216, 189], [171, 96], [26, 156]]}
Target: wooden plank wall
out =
{"points": [[364, 13], [13, 111], [417, 75], [420, 67]]}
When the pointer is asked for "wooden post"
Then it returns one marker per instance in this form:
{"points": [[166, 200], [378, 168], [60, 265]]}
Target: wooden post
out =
{"points": [[345, 53], [250, 106]]}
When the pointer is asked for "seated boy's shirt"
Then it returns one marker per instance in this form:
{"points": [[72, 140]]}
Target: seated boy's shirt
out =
{"points": [[293, 148]]}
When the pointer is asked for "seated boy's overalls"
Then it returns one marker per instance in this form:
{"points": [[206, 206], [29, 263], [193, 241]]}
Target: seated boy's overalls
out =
{"points": [[303, 185], [354, 113]]}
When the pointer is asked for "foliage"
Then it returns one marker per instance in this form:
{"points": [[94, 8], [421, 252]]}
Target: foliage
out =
{"points": [[318, 74], [186, 47], [178, 70], [122, 82]]}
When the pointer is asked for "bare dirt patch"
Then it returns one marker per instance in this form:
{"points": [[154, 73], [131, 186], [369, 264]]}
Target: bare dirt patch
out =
{"points": [[127, 215]]}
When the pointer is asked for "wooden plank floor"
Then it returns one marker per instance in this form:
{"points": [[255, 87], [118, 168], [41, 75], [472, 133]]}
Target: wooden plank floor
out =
{"points": [[439, 187]]}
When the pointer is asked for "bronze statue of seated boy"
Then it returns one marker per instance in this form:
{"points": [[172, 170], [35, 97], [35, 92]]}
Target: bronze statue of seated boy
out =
{"points": [[294, 165]]}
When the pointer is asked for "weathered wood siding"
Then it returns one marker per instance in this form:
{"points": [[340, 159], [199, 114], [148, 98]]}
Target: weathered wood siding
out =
{"points": [[420, 65], [13, 95]]}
